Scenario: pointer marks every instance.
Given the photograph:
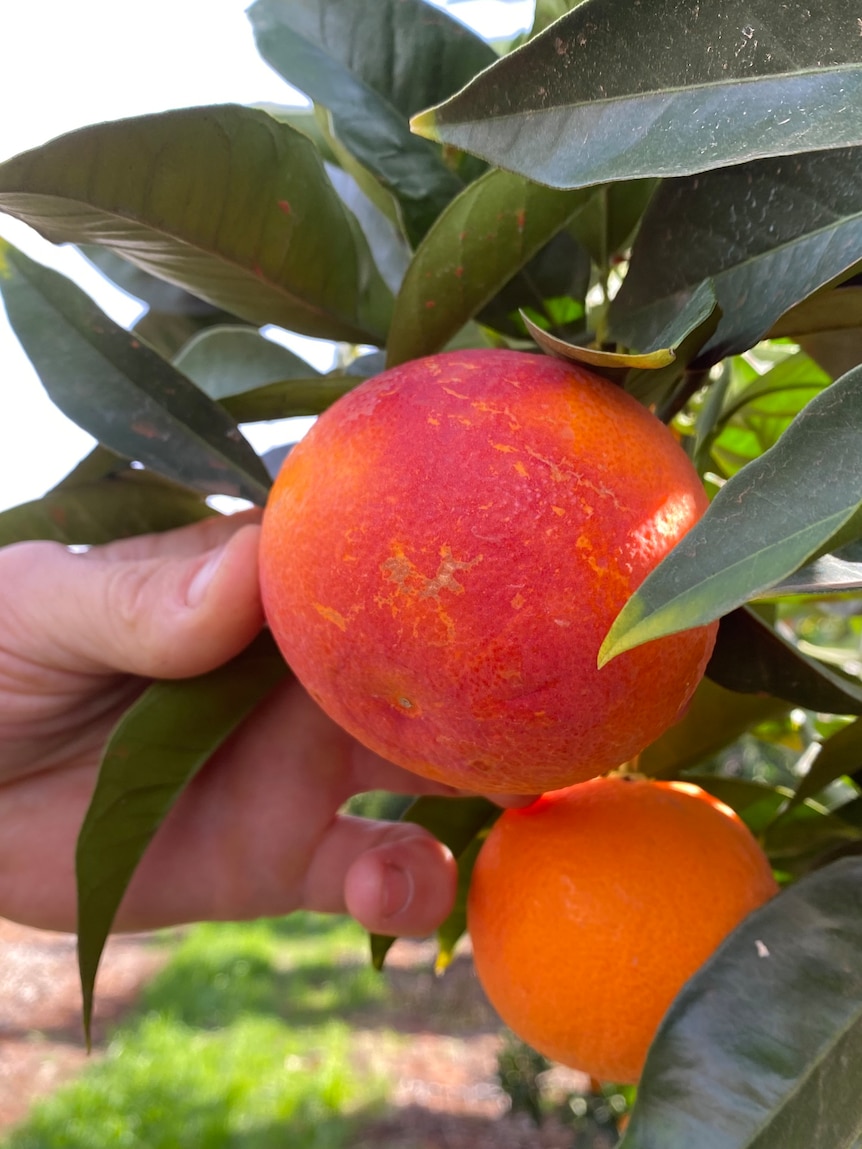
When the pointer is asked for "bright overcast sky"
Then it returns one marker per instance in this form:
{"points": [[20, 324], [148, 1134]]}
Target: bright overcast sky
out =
{"points": [[67, 64]]}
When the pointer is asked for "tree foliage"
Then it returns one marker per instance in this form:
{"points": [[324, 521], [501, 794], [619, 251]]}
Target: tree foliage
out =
{"points": [[669, 192]]}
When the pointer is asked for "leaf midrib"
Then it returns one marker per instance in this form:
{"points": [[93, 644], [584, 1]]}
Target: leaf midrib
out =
{"points": [[91, 339], [201, 251], [652, 93]]}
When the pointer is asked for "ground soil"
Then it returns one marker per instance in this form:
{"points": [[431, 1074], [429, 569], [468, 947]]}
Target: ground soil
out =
{"points": [[444, 1095]]}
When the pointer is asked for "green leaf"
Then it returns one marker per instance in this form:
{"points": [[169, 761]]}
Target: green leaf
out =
{"points": [[228, 361], [841, 754], [610, 216], [120, 390], [763, 524], [158, 294], [225, 202], [808, 837], [594, 358], [372, 63], [755, 410], [98, 464], [832, 310], [111, 507], [760, 1049], [619, 91], [288, 398], [827, 575], [484, 236], [767, 233], [157, 748], [715, 717], [749, 656], [456, 822]]}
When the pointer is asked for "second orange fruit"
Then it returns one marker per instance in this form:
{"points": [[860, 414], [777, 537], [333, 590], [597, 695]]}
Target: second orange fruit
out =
{"points": [[590, 909]]}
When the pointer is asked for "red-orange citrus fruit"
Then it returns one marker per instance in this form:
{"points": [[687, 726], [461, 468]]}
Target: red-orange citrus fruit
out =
{"points": [[590, 909], [445, 551]]}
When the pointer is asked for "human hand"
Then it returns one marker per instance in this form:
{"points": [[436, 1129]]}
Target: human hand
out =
{"points": [[257, 832]]}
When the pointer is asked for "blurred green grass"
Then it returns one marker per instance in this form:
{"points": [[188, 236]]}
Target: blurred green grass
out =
{"points": [[242, 1041]]}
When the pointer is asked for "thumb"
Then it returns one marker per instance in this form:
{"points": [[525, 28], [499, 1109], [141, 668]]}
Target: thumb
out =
{"points": [[160, 616]]}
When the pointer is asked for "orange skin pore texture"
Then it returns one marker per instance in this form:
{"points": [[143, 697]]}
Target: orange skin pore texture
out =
{"points": [[445, 551], [590, 909]]}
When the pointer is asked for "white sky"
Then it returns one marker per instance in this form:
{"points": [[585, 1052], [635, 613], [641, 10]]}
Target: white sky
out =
{"points": [[68, 64]]}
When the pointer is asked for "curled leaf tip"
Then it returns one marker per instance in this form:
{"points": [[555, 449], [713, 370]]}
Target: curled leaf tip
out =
{"points": [[425, 124]]}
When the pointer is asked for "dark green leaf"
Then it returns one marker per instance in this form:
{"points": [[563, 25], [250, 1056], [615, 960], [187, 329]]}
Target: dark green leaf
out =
{"points": [[807, 837], [225, 202], [107, 508], [157, 748], [455, 822], [715, 717], [288, 398], [120, 390], [228, 361], [609, 217], [618, 91], [455, 926], [369, 62], [99, 463], [767, 233], [841, 754], [763, 524], [760, 1049], [832, 310], [485, 235], [749, 656]]}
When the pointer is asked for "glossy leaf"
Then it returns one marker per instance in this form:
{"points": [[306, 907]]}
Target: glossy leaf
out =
{"points": [[763, 524], [619, 91], [155, 751], [107, 508], [767, 234], [759, 1049], [826, 575], [372, 63], [484, 236], [228, 361], [715, 717], [750, 656], [225, 202], [120, 390], [455, 822]]}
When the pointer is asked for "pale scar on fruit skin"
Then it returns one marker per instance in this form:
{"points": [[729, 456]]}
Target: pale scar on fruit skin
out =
{"points": [[410, 583]]}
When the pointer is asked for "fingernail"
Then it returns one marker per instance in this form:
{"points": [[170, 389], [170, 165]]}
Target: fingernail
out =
{"points": [[398, 890], [202, 578]]}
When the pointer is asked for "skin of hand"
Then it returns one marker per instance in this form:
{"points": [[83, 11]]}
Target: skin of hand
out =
{"points": [[258, 832]]}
